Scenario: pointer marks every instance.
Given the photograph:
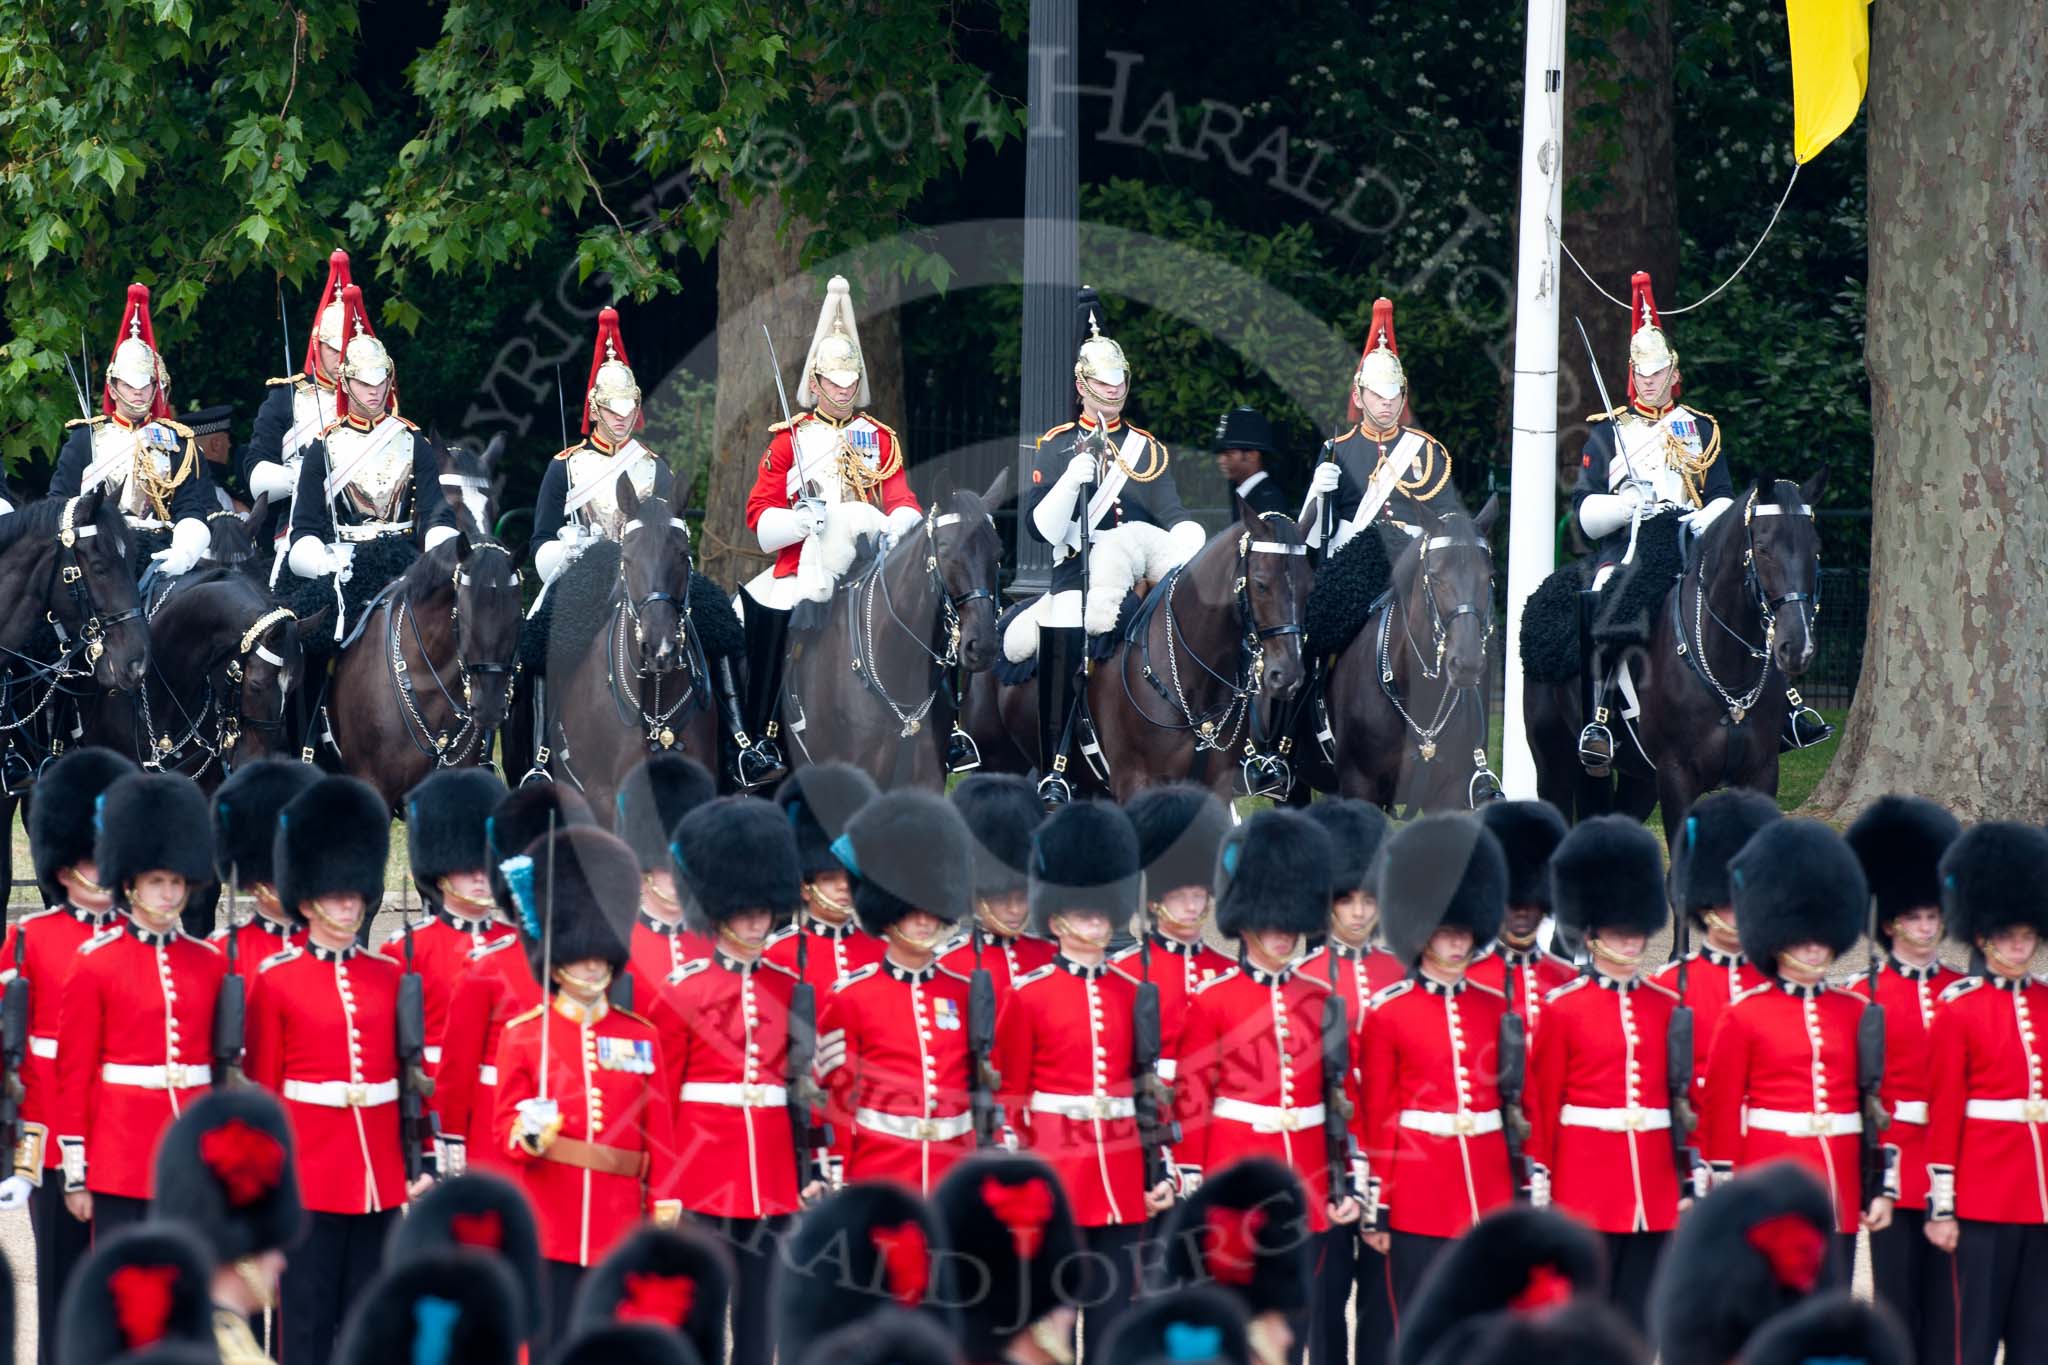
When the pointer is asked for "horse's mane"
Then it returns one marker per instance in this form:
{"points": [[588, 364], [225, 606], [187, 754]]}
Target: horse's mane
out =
{"points": [[39, 518]]}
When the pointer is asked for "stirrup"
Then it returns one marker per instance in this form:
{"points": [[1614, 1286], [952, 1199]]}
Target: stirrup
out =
{"points": [[1484, 786], [17, 774], [1596, 746], [1266, 775], [963, 755], [758, 764], [1326, 738], [1054, 791], [1804, 726]]}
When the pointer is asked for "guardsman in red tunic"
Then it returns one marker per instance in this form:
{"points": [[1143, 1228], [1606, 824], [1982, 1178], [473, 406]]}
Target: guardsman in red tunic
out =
{"points": [[1241, 1232], [653, 799], [1518, 965], [1782, 1071], [245, 811], [323, 1037], [135, 1036], [498, 985], [1598, 1097], [826, 942], [728, 1051], [1001, 811], [892, 1037], [43, 947], [1429, 1059], [1068, 1089], [1012, 1249], [1715, 831], [678, 1279], [584, 1099], [1899, 841], [1987, 1118]]}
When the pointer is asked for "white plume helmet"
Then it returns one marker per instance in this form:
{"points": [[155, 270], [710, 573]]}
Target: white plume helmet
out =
{"points": [[835, 347]]}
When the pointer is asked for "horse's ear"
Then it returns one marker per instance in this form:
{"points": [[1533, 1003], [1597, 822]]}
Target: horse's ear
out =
{"points": [[494, 450], [1245, 513], [1489, 512], [462, 546], [1810, 491], [88, 509], [629, 500], [998, 491], [254, 516], [309, 626]]}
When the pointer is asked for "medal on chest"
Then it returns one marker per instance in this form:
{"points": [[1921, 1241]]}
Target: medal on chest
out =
{"points": [[633, 1055], [945, 1013]]}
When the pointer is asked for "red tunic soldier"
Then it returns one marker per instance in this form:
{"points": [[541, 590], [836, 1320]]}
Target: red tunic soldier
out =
{"points": [[1715, 831], [1598, 1097], [43, 947], [676, 1279], [1518, 964], [1011, 1252], [584, 1101], [135, 1040], [244, 829], [1068, 1089], [1001, 811], [1987, 1117], [1782, 1071], [323, 1036], [1899, 841], [826, 942], [1429, 1058], [1241, 1232], [654, 797], [728, 1052], [892, 1037]]}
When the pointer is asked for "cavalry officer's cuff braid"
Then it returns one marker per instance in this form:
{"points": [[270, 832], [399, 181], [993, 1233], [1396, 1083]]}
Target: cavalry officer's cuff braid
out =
{"points": [[1941, 1192], [72, 1152]]}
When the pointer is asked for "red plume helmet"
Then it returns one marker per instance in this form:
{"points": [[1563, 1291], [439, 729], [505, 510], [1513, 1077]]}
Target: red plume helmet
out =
{"points": [[1648, 347], [610, 370], [137, 327], [1378, 337], [337, 280], [359, 348]]}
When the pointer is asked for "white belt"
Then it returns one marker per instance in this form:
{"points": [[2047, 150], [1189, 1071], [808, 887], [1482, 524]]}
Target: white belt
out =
{"points": [[432, 1054], [1910, 1111], [370, 530], [1464, 1123], [45, 1048], [1083, 1107], [1629, 1120], [172, 1077], [2008, 1111], [1166, 1067], [487, 1074], [1267, 1118], [342, 1094], [1805, 1125], [912, 1129], [734, 1095]]}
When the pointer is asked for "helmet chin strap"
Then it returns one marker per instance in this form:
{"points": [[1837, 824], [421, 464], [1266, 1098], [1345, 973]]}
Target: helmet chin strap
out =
{"points": [[1600, 950], [824, 907], [920, 943]]}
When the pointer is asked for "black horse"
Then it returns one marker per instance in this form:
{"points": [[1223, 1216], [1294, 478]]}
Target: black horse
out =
{"points": [[1730, 638], [881, 673]]}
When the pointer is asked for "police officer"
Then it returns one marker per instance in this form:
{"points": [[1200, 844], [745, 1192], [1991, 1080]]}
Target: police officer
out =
{"points": [[1244, 442]]}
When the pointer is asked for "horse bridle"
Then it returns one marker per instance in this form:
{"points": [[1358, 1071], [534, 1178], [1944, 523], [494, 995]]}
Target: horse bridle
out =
{"points": [[632, 608], [655, 722], [1482, 779], [92, 624], [448, 747], [232, 719], [1440, 624], [860, 624], [1767, 608]]}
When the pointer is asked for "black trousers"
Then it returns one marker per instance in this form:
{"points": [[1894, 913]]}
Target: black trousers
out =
{"points": [[61, 1243], [1110, 1275], [1916, 1279], [559, 1281], [1841, 1271], [1409, 1257], [112, 1212], [1345, 1260], [753, 1243], [324, 1276], [1631, 1264], [2001, 1274]]}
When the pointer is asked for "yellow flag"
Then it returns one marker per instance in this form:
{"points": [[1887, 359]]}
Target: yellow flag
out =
{"points": [[1830, 67]]}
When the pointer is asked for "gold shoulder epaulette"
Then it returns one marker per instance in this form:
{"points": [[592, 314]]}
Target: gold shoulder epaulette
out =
{"points": [[1064, 426], [1604, 416], [566, 453], [533, 1013], [408, 423], [298, 378], [880, 425], [85, 421], [178, 427], [789, 423]]}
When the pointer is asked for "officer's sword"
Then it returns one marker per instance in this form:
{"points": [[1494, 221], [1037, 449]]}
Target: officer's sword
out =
{"points": [[547, 957], [1635, 520], [284, 327], [796, 449]]}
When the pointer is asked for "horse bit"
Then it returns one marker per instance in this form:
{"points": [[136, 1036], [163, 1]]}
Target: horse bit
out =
{"points": [[861, 625], [655, 723], [1767, 609], [447, 747]]}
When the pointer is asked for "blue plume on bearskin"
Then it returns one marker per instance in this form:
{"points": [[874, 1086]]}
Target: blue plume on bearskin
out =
{"points": [[1273, 872]]}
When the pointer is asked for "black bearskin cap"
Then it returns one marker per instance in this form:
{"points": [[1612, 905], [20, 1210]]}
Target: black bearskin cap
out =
{"points": [[654, 797], [1516, 1256], [1001, 811], [1609, 874], [677, 1278], [1529, 832], [1009, 1241], [1583, 1332], [1748, 1251], [1440, 872], [1274, 873], [245, 811], [1899, 841], [1356, 830], [333, 837], [733, 855], [467, 1300], [481, 1213], [1160, 1326], [147, 1285], [1796, 881], [153, 822], [445, 819], [226, 1171], [1715, 830], [526, 814], [891, 1336], [627, 1343], [862, 1250], [908, 851], [595, 897], [1246, 1230], [1835, 1326], [1992, 879], [61, 830], [1180, 827], [819, 802], [1084, 857]]}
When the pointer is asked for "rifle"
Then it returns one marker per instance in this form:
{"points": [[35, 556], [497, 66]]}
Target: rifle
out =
{"points": [[1514, 1056], [806, 1097], [1153, 1097], [1876, 1163], [981, 1042], [416, 1126], [231, 1008], [1338, 1144], [14, 1050], [1679, 1056]]}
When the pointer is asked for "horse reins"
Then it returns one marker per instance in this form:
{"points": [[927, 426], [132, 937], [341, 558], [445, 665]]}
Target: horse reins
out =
{"points": [[1694, 650], [1439, 627], [860, 626], [654, 722], [458, 744]]}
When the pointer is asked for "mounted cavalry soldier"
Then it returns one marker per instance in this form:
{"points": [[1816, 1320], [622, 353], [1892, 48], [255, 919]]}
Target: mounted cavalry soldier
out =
{"points": [[298, 407], [1093, 482], [834, 453], [579, 493], [147, 463]]}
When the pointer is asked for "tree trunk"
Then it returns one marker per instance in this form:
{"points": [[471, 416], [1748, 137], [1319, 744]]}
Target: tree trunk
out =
{"points": [[1631, 221], [761, 280], [1955, 661]]}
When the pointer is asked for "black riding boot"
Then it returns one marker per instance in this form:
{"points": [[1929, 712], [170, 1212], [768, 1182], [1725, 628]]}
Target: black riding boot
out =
{"points": [[755, 760], [963, 755], [1060, 651], [756, 752], [1804, 727], [1596, 741]]}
